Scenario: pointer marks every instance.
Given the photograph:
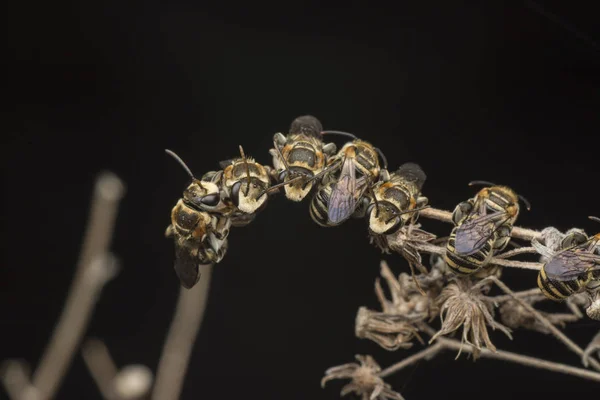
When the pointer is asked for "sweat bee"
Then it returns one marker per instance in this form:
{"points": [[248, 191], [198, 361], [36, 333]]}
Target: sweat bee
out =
{"points": [[200, 236], [483, 226], [299, 156], [396, 199], [245, 184], [572, 269], [340, 195]]}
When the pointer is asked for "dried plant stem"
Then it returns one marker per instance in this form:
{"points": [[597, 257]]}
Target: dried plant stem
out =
{"points": [[426, 354], [553, 329], [523, 360], [94, 269], [101, 365], [446, 216], [181, 337], [524, 293], [516, 252], [440, 250]]}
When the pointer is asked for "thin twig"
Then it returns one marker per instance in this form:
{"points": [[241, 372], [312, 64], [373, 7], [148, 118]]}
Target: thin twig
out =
{"points": [[181, 337], [553, 329], [440, 250], [101, 365], [516, 252], [95, 268], [446, 216], [523, 360], [521, 294], [109, 190], [427, 353]]}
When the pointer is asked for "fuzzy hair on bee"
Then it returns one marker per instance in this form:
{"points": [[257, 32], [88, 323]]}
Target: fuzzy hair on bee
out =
{"points": [[300, 156], [483, 226]]}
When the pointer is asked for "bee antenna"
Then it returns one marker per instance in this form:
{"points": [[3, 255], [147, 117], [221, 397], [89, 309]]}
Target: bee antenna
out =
{"points": [[340, 133], [594, 218], [247, 169], [408, 212], [383, 158], [484, 183], [375, 200], [272, 188], [187, 169], [525, 201]]}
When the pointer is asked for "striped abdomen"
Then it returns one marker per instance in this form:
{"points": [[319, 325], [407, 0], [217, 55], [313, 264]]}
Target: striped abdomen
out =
{"points": [[319, 205], [465, 265], [558, 290]]}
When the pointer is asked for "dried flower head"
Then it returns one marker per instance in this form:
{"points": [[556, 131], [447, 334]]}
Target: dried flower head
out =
{"points": [[390, 331], [514, 315], [593, 310], [364, 380], [463, 304]]}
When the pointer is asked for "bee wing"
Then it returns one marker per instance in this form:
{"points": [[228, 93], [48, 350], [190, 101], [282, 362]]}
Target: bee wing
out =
{"points": [[186, 264], [343, 201], [472, 234], [568, 265]]}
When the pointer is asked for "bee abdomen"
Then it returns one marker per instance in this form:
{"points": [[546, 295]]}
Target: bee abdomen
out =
{"points": [[465, 265], [318, 207], [557, 290]]}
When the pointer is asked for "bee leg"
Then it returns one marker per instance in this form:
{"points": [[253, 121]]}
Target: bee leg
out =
{"points": [[502, 237], [329, 149], [361, 208], [574, 237], [279, 138], [461, 211], [170, 231]]}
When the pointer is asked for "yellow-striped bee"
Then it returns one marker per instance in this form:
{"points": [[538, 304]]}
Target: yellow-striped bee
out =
{"points": [[200, 236], [483, 226], [572, 269], [299, 156], [340, 193], [396, 199], [245, 184]]}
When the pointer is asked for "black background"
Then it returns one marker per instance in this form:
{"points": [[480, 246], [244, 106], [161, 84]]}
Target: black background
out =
{"points": [[494, 92]]}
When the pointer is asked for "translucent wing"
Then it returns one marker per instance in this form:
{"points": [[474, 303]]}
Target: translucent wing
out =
{"points": [[568, 265], [186, 263], [472, 234], [343, 201]]}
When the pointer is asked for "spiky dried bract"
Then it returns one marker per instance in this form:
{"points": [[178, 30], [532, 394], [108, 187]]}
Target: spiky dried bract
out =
{"points": [[390, 331], [364, 380], [514, 315], [461, 304]]}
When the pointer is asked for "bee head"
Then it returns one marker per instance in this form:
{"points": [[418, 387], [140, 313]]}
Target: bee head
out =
{"points": [[296, 188], [384, 218], [248, 195], [203, 195]]}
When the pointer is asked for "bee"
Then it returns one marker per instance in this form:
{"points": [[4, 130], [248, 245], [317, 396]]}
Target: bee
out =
{"points": [[483, 226], [572, 269], [245, 184], [396, 199], [200, 236], [299, 156], [340, 194]]}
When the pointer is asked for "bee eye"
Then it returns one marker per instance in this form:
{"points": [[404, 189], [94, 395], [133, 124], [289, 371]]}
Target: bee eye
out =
{"points": [[235, 193], [397, 225], [211, 200], [282, 175], [370, 209]]}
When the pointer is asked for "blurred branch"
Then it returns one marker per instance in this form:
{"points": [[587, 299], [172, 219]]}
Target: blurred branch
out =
{"points": [[181, 337], [95, 268]]}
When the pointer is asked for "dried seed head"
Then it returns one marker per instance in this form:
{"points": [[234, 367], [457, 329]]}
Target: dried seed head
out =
{"points": [[364, 380], [593, 310], [461, 305], [390, 331], [514, 315]]}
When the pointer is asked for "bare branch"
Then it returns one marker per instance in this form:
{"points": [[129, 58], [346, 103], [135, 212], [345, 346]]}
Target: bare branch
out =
{"points": [[426, 354], [181, 337], [100, 364]]}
